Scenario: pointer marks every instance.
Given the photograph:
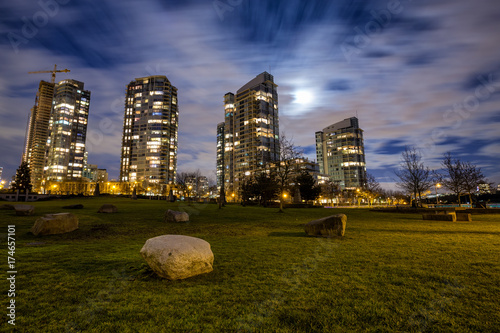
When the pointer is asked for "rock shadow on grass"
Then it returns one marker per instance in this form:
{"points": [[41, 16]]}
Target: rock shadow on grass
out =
{"points": [[287, 234]]}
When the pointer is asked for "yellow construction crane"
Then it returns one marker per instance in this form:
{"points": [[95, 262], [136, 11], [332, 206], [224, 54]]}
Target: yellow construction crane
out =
{"points": [[54, 71]]}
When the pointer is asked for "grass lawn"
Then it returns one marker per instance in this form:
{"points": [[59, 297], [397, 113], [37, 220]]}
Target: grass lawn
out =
{"points": [[390, 273]]}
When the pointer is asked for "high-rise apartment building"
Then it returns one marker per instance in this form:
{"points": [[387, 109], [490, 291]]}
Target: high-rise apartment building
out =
{"points": [[251, 131], [68, 132], [340, 153], [38, 133], [150, 125], [220, 154]]}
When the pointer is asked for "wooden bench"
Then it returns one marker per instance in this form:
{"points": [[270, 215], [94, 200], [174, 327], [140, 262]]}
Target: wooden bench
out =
{"points": [[448, 216], [440, 217]]}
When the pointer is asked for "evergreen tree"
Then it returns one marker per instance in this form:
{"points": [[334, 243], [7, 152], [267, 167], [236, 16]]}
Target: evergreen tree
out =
{"points": [[23, 178], [267, 188], [307, 186]]}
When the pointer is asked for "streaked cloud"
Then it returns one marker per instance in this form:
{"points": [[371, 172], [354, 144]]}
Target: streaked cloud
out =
{"points": [[414, 81]]}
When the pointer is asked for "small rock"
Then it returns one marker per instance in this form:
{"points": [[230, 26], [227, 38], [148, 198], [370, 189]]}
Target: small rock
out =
{"points": [[108, 208], [330, 226], [175, 257], [175, 216], [24, 210], [52, 224]]}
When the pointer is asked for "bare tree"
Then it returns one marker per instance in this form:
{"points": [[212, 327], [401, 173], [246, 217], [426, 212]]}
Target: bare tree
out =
{"points": [[330, 190], [453, 177], [472, 177], [288, 155], [188, 182], [414, 177], [461, 177], [372, 188]]}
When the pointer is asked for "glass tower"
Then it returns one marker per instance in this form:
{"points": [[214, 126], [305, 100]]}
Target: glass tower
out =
{"points": [[38, 133], [68, 131], [150, 125], [340, 153], [251, 131]]}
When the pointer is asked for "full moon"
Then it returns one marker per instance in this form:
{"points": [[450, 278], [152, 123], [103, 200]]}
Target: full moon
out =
{"points": [[303, 97]]}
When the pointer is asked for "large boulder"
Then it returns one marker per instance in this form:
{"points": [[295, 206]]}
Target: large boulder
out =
{"points": [[175, 257], [330, 226], [52, 224], [175, 216], [24, 210], [108, 208]]}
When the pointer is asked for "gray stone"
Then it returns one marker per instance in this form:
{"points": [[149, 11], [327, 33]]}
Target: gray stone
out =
{"points": [[175, 257], [452, 217], [330, 226], [175, 216], [7, 207], [108, 208], [53, 224], [24, 210]]}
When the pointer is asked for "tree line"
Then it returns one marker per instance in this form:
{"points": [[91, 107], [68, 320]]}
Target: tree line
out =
{"points": [[415, 178]]}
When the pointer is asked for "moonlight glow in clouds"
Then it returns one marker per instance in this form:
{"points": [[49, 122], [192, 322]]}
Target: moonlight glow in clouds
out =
{"points": [[402, 78]]}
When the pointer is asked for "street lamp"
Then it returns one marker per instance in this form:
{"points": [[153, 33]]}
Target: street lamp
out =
{"points": [[436, 187]]}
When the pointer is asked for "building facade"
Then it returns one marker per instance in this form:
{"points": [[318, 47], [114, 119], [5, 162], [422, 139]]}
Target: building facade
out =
{"points": [[150, 126], [37, 133], [340, 153], [220, 154], [65, 147], [250, 130]]}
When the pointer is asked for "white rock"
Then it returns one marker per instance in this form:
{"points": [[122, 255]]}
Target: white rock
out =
{"points": [[52, 224], [24, 210], [177, 257]]}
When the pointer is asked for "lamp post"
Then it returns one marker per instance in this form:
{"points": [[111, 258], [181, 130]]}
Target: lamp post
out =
{"points": [[436, 187]]}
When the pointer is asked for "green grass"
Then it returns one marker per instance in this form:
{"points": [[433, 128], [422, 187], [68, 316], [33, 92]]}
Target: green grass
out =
{"points": [[390, 273]]}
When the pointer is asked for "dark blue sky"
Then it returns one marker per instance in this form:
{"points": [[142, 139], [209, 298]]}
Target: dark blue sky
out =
{"points": [[421, 73]]}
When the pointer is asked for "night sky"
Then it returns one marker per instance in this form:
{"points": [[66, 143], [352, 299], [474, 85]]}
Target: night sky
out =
{"points": [[422, 73]]}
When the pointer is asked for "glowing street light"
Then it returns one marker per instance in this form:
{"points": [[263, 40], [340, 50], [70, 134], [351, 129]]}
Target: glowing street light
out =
{"points": [[436, 187]]}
